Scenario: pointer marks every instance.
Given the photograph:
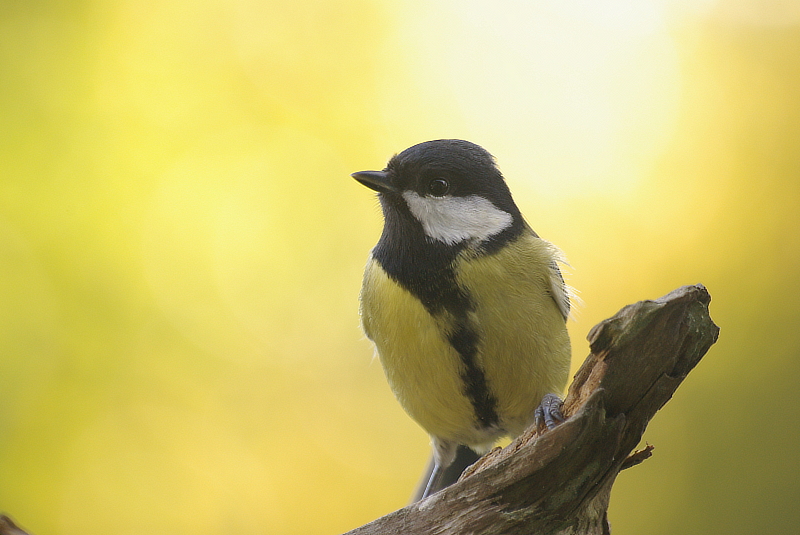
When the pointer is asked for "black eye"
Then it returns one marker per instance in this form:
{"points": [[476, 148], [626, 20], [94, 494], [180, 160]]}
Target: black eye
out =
{"points": [[438, 187]]}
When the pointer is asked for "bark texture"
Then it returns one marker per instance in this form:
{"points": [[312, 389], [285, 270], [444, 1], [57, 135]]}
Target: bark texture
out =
{"points": [[559, 482]]}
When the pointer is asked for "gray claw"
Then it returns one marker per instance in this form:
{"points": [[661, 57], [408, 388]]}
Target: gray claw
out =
{"points": [[549, 411]]}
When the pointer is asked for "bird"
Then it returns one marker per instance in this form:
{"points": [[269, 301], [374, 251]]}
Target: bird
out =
{"points": [[465, 304]]}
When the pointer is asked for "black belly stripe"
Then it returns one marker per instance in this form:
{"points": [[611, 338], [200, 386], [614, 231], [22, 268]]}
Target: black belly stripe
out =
{"points": [[465, 341]]}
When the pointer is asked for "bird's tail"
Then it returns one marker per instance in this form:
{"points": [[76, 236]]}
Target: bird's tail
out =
{"points": [[436, 478]]}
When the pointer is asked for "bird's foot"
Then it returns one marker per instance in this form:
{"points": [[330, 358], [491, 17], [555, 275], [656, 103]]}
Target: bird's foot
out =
{"points": [[549, 412]]}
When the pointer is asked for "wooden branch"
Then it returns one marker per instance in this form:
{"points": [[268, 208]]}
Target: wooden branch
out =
{"points": [[7, 527], [559, 481]]}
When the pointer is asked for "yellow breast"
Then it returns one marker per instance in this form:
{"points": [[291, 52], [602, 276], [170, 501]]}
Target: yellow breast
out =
{"points": [[422, 368], [523, 348]]}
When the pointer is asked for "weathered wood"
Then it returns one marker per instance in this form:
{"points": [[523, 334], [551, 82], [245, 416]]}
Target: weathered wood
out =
{"points": [[7, 527], [559, 481]]}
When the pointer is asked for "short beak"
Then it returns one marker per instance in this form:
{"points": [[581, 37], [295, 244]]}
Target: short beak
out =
{"points": [[377, 180]]}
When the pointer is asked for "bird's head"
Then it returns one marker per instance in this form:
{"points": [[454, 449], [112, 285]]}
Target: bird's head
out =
{"points": [[451, 187]]}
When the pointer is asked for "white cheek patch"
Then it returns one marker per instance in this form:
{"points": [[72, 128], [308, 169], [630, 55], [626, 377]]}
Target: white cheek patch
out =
{"points": [[454, 219]]}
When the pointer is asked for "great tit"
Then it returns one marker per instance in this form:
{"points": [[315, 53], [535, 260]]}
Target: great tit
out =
{"points": [[464, 303]]}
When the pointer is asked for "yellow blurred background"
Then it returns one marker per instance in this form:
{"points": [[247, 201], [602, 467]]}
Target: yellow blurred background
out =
{"points": [[181, 245]]}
